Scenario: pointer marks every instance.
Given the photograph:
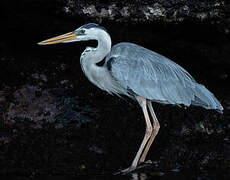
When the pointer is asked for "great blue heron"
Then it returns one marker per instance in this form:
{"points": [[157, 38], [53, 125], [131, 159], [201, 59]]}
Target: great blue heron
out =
{"points": [[139, 73]]}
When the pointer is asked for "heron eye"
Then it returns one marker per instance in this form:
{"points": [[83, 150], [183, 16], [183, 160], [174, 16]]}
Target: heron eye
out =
{"points": [[82, 31]]}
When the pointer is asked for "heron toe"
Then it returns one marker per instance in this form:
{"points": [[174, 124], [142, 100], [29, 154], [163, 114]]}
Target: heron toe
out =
{"points": [[148, 162], [131, 168], [125, 171]]}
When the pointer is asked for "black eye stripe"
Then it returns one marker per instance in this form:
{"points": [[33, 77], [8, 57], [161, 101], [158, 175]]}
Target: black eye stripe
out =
{"points": [[93, 25]]}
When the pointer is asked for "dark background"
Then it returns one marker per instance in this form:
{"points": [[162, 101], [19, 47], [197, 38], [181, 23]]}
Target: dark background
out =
{"points": [[80, 130]]}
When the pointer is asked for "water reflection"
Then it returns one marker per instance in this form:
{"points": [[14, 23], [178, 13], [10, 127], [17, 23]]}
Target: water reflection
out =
{"points": [[145, 176], [139, 176]]}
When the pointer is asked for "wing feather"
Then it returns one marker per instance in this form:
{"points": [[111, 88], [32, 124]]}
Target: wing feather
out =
{"points": [[151, 75], [157, 78]]}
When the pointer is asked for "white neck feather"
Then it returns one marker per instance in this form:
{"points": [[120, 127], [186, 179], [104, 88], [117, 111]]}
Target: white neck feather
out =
{"points": [[98, 75]]}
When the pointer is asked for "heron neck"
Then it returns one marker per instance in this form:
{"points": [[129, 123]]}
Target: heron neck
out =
{"points": [[98, 75], [103, 48]]}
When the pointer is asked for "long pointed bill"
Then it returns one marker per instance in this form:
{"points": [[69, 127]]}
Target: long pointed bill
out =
{"points": [[60, 39]]}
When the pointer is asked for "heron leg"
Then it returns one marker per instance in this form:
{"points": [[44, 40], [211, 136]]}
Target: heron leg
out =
{"points": [[148, 132], [155, 130]]}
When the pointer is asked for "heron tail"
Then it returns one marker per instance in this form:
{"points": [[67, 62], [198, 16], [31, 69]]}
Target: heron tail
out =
{"points": [[204, 98]]}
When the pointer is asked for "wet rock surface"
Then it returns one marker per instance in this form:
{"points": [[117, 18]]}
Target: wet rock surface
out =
{"points": [[157, 10], [56, 123]]}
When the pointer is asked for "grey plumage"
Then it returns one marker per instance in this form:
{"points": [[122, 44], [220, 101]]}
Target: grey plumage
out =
{"points": [[157, 78]]}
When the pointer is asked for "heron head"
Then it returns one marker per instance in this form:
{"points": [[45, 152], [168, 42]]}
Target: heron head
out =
{"points": [[84, 33]]}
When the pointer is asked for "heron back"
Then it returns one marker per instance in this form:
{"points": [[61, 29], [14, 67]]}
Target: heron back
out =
{"points": [[155, 77]]}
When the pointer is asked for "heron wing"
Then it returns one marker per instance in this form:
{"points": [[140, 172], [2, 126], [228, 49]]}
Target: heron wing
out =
{"points": [[150, 75]]}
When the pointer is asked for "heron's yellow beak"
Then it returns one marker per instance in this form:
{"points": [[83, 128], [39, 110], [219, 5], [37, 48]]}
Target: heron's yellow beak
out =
{"points": [[60, 39]]}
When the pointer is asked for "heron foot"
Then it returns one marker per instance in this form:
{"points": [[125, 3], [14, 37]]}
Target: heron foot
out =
{"points": [[148, 162], [125, 171], [131, 168]]}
